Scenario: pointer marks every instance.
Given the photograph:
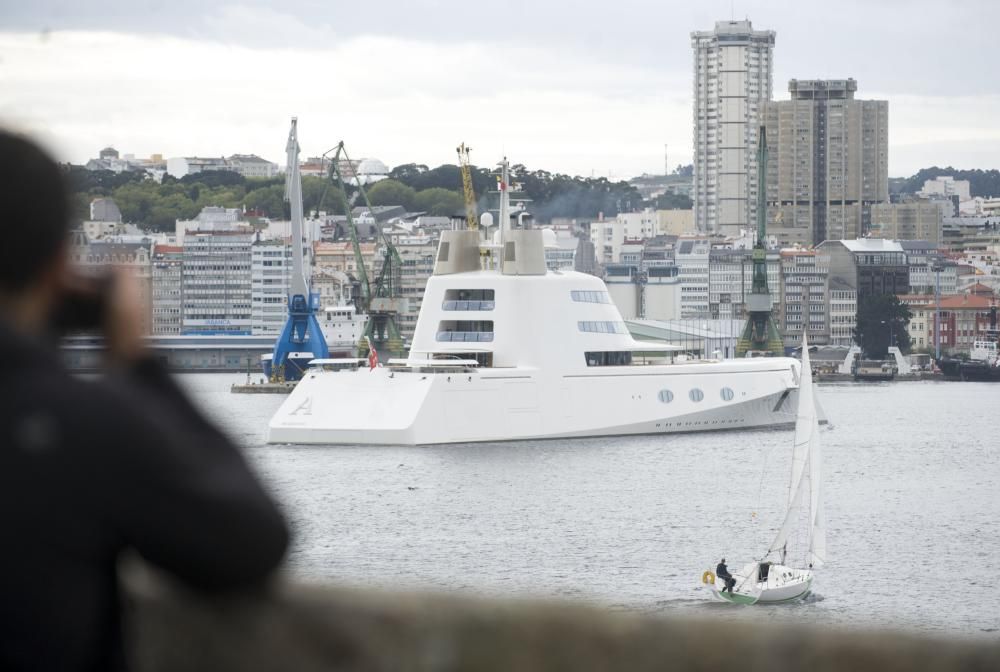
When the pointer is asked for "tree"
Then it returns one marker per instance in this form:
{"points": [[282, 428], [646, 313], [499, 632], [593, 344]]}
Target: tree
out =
{"points": [[671, 201], [440, 202], [268, 200], [215, 178], [391, 192], [881, 323]]}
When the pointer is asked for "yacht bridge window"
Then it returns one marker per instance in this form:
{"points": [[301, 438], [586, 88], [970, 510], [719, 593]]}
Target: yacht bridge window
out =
{"points": [[609, 358], [601, 327], [582, 296], [468, 299], [468, 331]]}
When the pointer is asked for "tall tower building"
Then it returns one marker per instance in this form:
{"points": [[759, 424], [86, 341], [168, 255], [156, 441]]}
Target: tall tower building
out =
{"points": [[828, 161], [732, 79]]}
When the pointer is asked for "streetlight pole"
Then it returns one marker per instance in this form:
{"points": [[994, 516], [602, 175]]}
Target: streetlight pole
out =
{"points": [[937, 313]]}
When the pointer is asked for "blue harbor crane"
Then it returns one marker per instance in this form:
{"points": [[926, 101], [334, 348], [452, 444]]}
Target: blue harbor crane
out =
{"points": [[301, 339]]}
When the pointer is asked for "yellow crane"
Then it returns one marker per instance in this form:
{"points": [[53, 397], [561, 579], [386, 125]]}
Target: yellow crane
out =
{"points": [[470, 194]]}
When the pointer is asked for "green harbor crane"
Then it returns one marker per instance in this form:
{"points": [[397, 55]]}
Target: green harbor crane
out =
{"points": [[381, 300], [760, 337]]}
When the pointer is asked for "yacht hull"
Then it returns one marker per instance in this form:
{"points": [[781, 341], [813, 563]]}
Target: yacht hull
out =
{"points": [[410, 407]]}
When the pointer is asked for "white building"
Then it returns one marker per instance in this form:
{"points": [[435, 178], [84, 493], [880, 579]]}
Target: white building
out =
{"points": [[843, 312], [251, 165], [608, 235], [805, 276], [215, 276], [270, 280], [247, 165], [945, 186], [210, 218], [732, 79], [691, 258], [168, 295]]}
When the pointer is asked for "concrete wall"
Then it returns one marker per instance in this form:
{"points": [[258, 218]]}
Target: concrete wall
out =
{"points": [[311, 627]]}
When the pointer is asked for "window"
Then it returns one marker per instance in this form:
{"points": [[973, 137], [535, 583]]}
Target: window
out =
{"points": [[696, 395], [590, 297], [465, 331], [726, 394], [609, 358], [666, 396], [468, 299], [601, 327]]}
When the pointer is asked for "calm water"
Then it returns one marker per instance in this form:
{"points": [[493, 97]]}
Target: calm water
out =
{"points": [[911, 488]]}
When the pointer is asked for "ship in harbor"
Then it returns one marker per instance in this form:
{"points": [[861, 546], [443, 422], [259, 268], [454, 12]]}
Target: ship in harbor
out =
{"points": [[505, 349], [983, 363]]}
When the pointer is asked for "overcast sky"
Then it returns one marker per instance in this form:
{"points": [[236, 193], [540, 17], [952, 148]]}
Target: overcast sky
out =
{"points": [[582, 87]]}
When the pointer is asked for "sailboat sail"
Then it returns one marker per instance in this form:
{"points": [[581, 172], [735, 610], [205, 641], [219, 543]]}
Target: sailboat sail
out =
{"points": [[806, 462]]}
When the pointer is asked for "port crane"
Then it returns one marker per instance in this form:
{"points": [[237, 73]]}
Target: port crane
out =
{"points": [[302, 334], [380, 300], [470, 194]]}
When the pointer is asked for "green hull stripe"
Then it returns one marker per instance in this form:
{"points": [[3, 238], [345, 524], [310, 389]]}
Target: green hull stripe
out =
{"points": [[737, 598]]}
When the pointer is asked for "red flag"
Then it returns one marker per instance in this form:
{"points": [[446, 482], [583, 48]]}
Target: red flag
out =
{"points": [[372, 356]]}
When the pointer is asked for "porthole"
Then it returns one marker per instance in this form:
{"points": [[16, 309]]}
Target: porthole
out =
{"points": [[666, 396], [727, 394], [696, 394]]}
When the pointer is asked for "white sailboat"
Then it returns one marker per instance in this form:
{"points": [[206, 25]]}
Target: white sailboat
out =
{"points": [[769, 579]]}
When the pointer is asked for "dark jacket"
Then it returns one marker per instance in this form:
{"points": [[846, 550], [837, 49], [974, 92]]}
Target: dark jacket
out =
{"points": [[722, 571], [90, 468]]}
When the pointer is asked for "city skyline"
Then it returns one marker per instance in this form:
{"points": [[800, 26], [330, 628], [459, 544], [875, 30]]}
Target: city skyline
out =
{"points": [[579, 95]]}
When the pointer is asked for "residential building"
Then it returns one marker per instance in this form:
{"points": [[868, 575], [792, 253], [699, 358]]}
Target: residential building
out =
{"points": [[215, 277], [961, 234], [843, 311], [251, 165], [95, 257], [608, 235], [417, 254], [732, 79], [339, 256], [247, 165], [270, 281], [910, 220], [946, 186], [827, 162], [731, 280], [963, 317], [923, 259], [692, 260], [675, 222], [210, 218], [168, 296], [805, 301], [920, 328], [560, 249]]}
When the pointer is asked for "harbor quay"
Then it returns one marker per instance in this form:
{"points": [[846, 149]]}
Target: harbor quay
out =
{"points": [[195, 353]]}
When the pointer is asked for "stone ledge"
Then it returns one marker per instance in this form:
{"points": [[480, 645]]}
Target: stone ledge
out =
{"points": [[303, 627]]}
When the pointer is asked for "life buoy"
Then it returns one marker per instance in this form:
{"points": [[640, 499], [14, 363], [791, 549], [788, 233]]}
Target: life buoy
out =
{"points": [[708, 577]]}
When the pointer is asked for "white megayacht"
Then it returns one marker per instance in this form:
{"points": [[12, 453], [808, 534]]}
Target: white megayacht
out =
{"points": [[505, 349]]}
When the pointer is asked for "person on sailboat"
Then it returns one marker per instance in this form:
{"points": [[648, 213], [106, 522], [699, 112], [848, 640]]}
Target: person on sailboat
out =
{"points": [[722, 572]]}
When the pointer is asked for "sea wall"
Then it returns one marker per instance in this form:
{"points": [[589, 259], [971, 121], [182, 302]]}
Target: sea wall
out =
{"points": [[302, 627]]}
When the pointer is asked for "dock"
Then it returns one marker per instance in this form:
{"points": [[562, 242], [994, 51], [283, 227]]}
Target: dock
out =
{"points": [[263, 388]]}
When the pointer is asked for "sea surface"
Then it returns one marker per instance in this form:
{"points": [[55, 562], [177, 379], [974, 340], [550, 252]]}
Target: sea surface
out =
{"points": [[911, 486]]}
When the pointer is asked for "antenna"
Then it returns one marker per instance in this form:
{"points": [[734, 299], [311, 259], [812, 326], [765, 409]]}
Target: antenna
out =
{"points": [[666, 160]]}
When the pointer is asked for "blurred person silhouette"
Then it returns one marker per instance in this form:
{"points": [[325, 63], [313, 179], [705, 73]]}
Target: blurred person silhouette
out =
{"points": [[91, 469]]}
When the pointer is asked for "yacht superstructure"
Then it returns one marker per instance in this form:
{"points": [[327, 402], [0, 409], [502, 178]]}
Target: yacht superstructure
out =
{"points": [[504, 349]]}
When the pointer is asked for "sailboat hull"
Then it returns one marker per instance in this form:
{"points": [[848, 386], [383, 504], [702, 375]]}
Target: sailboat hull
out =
{"points": [[783, 584]]}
